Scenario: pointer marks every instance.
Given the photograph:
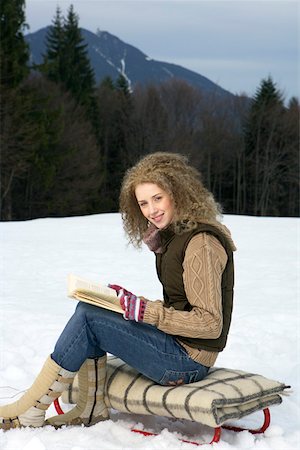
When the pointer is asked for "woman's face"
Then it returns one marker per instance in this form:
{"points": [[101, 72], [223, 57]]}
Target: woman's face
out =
{"points": [[155, 203]]}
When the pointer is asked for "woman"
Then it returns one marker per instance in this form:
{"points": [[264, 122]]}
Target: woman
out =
{"points": [[174, 341]]}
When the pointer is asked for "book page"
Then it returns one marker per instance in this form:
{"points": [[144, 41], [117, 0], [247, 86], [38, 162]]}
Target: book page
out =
{"points": [[97, 301], [93, 293]]}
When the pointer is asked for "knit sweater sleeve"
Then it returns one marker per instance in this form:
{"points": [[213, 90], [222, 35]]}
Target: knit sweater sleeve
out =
{"points": [[203, 265]]}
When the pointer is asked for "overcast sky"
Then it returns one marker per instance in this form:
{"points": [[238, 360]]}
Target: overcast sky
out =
{"points": [[233, 43]]}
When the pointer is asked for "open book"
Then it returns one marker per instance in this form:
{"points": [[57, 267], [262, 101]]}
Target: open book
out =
{"points": [[93, 293]]}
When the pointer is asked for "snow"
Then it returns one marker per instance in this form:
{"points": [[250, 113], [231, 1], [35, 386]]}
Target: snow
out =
{"points": [[36, 257], [123, 71], [168, 71]]}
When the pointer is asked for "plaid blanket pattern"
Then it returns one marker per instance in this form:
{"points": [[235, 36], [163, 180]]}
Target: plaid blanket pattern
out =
{"points": [[224, 394]]}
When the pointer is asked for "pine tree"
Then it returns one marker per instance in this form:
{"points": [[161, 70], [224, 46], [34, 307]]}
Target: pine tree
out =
{"points": [[122, 85], [13, 48], [46, 137], [14, 69], [290, 203], [115, 112], [54, 58], [77, 74], [66, 60], [264, 151]]}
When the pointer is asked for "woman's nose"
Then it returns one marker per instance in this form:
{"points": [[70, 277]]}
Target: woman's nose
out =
{"points": [[152, 208]]}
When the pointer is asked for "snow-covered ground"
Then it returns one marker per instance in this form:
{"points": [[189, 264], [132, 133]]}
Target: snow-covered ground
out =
{"points": [[36, 257]]}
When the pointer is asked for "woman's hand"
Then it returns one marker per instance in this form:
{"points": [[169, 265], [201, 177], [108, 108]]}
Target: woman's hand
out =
{"points": [[133, 306], [118, 288]]}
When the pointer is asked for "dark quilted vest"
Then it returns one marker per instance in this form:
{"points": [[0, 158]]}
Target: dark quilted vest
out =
{"points": [[169, 269]]}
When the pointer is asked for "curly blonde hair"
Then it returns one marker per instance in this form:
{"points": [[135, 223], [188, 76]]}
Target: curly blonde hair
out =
{"points": [[172, 173]]}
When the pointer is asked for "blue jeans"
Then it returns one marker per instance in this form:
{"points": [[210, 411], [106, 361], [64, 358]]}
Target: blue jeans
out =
{"points": [[93, 331]]}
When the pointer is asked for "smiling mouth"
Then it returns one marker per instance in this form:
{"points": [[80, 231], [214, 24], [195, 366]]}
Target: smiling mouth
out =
{"points": [[157, 218]]}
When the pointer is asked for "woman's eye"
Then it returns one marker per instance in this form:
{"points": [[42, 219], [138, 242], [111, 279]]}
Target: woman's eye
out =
{"points": [[157, 198]]}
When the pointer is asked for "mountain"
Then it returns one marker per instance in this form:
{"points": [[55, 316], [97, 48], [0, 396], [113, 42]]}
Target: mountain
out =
{"points": [[110, 56]]}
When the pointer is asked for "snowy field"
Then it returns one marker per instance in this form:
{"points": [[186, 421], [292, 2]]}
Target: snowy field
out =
{"points": [[36, 257]]}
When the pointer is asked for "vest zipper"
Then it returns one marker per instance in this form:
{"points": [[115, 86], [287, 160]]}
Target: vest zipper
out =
{"points": [[96, 389]]}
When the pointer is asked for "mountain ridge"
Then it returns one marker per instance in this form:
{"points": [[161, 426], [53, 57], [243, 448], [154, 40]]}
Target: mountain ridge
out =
{"points": [[110, 56]]}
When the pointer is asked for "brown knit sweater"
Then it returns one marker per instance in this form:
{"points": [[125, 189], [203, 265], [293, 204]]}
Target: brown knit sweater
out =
{"points": [[204, 263]]}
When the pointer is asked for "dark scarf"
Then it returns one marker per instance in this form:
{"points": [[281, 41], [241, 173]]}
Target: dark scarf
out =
{"points": [[152, 239]]}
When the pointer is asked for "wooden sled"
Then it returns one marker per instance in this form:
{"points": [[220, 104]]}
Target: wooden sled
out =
{"points": [[224, 395]]}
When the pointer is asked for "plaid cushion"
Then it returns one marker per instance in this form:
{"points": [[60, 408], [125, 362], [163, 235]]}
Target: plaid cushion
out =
{"points": [[223, 394]]}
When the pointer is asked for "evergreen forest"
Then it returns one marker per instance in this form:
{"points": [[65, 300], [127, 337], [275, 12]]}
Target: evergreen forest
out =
{"points": [[65, 142]]}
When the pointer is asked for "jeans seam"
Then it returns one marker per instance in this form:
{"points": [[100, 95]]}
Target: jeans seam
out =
{"points": [[66, 352]]}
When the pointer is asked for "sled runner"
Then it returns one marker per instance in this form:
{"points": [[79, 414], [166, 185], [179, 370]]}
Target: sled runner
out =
{"points": [[223, 395]]}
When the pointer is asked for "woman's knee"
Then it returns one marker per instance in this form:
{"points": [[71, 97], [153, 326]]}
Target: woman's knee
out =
{"points": [[94, 312], [83, 308]]}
